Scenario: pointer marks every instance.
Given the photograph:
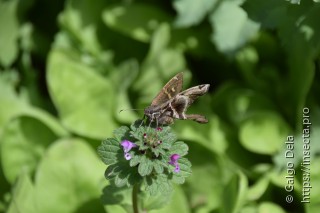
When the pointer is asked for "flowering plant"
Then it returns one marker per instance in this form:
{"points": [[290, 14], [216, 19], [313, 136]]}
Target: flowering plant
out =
{"points": [[146, 159]]}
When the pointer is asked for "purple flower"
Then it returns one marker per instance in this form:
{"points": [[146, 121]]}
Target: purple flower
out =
{"points": [[177, 169], [127, 145], [127, 156], [174, 161]]}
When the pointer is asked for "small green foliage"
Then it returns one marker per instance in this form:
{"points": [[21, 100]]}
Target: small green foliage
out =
{"points": [[145, 158]]}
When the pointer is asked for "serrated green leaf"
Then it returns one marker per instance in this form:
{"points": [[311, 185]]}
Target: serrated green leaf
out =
{"points": [[121, 133], [109, 150], [135, 125], [121, 179], [178, 179], [112, 171], [158, 167], [159, 184], [180, 148], [135, 160], [145, 167], [185, 168]]}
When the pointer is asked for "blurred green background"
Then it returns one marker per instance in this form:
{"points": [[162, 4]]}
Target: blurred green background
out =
{"points": [[68, 67]]}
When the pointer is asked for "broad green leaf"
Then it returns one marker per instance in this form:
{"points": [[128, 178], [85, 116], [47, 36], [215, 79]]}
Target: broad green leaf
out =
{"points": [[270, 207], [192, 12], [242, 103], [9, 22], [231, 31], [23, 196], [264, 133], [234, 194], [136, 20], [24, 142], [258, 189], [83, 98], [69, 178], [249, 209]]}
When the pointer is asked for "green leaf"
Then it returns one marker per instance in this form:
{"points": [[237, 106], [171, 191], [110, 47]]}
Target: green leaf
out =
{"points": [[231, 31], [135, 20], [158, 167], [159, 184], [263, 133], [179, 202], [76, 177], [113, 195], [82, 21], [185, 168], [269, 13], [11, 105], [23, 196], [192, 12], [258, 189], [121, 133], [135, 160], [156, 201], [205, 165], [122, 178], [90, 112], [145, 166], [109, 151], [126, 74], [122, 174], [234, 194], [23, 145], [9, 22], [270, 207], [180, 148]]}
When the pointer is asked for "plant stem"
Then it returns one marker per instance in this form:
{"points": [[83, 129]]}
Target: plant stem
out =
{"points": [[135, 191]]}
